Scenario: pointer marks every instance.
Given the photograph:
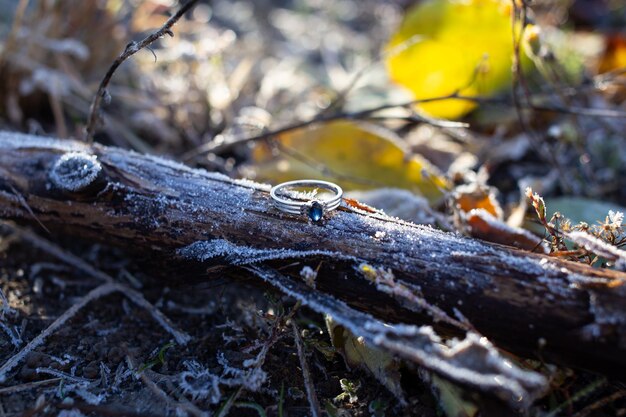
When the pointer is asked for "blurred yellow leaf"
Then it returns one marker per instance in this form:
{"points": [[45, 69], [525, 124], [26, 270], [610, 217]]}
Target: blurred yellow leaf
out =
{"points": [[355, 155], [448, 46]]}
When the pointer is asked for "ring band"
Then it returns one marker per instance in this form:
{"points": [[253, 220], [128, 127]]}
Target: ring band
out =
{"points": [[315, 208]]}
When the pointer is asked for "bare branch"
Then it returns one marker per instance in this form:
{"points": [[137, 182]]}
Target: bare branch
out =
{"points": [[368, 114], [131, 49]]}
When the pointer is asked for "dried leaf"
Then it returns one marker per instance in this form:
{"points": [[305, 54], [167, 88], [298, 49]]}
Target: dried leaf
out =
{"points": [[474, 196], [484, 226], [614, 57], [358, 205]]}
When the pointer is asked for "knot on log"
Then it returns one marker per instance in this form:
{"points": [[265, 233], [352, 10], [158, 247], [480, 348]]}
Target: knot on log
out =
{"points": [[76, 172]]}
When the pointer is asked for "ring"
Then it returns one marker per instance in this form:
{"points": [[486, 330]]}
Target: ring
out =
{"points": [[315, 208]]}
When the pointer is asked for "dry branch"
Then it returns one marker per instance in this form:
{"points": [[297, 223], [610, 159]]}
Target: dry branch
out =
{"points": [[131, 49], [529, 304]]}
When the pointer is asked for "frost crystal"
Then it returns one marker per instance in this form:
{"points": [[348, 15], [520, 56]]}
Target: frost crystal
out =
{"points": [[200, 383], [309, 276], [616, 218], [70, 413], [597, 246]]}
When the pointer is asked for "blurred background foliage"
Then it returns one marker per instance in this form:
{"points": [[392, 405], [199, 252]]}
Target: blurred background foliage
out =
{"points": [[236, 70]]}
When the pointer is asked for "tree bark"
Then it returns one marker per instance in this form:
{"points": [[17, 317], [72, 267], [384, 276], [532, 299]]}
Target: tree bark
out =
{"points": [[527, 303]]}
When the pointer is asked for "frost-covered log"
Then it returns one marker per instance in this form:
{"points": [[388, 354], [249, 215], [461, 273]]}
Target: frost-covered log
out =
{"points": [[394, 270]]}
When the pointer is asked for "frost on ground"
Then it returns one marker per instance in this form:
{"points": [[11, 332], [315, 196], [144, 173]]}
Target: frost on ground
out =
{"points": [[199, 382]]}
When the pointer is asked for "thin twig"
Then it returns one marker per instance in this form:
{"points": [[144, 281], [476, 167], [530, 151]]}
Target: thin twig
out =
{"points": [[23, 387], [24, 204], [63, 375], [218, 147], [306, 374], [519, 80], [13, 335], [63, 255], [386, 282], [131, 49], [358, 115], [6, 307], [180, 336], [600, 403]]}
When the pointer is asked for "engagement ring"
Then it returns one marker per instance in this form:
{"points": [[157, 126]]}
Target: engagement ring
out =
{"points": [[295, 203]]}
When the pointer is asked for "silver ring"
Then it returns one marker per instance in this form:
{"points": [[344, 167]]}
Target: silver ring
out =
{"points": [[296, 203]]}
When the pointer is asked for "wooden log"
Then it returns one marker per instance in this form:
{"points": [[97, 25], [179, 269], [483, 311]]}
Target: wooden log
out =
{"points": [[527, 303]]}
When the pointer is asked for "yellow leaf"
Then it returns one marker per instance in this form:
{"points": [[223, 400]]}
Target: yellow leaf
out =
{"points": [[355, 155], [448, 46]]}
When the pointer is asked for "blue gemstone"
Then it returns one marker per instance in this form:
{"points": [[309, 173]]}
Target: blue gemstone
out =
{"points": [[316, 211]]}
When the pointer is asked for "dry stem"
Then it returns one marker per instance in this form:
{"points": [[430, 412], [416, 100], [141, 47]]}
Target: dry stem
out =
{"points": [[217, 147], [306, 374], [131, 49]]}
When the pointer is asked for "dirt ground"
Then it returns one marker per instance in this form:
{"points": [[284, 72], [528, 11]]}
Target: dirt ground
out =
{"points": [[88, 364]]}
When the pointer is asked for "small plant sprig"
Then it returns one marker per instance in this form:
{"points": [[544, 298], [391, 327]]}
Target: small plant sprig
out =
{"points": [[612, 229], [551, 226], [593, 242], [159, 359], [349, 390]]}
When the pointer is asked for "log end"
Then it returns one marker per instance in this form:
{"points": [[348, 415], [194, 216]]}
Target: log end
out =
{"points": [[76, 172]]}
